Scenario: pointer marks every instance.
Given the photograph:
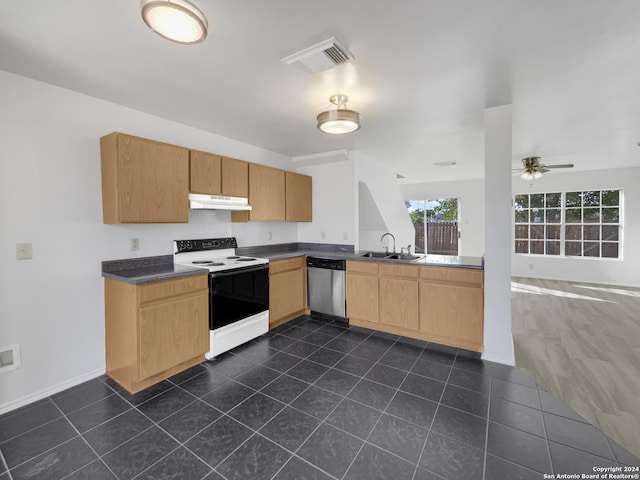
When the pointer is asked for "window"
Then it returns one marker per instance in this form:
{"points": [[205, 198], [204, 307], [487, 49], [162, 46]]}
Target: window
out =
{"points": [[572, 224]]}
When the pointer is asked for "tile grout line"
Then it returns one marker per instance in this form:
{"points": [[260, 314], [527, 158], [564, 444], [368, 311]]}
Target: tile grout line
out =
{"points": [[435, 413], [366, 440], [546, 435], [87, 443], [486, 435], [2, 459]]}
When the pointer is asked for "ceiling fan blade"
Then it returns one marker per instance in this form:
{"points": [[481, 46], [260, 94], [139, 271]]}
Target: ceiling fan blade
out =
{"points": [[562, 165], [544, 170]]}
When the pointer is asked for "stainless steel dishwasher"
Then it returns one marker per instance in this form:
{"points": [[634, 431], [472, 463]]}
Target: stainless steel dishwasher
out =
{"points": [[326, 287]]}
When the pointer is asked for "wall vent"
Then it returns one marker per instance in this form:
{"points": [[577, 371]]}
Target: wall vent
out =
{"points": [[319, 57], [450, 163], [9, 358]]}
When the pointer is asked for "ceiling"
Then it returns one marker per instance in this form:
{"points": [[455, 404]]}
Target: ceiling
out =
{"points": [[424, 71]]}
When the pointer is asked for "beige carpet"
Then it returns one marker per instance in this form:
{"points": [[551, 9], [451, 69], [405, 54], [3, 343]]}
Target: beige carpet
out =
{"points": [[582, 343]]}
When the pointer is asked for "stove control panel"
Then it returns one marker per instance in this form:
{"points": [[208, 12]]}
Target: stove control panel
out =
{"points": [[182, 246]]}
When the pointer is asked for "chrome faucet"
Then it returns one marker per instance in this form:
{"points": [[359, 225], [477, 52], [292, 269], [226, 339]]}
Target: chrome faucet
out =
{"points": [[394, 242]]}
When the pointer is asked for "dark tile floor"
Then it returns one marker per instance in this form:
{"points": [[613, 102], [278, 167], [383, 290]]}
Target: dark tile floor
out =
{"points": [[310, 400]]}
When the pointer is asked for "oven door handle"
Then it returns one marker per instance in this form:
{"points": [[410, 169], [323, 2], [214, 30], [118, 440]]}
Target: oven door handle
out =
{"points": [[229, 273]]}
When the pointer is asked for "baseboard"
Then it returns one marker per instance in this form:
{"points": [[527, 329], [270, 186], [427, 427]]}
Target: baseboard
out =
{"points": [[498, 359], [34, 397]]}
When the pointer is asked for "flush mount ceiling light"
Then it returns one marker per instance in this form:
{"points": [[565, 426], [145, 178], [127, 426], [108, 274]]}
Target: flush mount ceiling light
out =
{"points": [[176, 20], [341, 120]]}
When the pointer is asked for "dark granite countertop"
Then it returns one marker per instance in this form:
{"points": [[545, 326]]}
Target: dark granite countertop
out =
{"points": [[345, 252], [147, 269]]}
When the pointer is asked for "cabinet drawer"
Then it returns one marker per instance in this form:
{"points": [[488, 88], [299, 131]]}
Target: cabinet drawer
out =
{"points": [[170, 288], [277, 266], [406, 271], [362, 267], [460, 276]]}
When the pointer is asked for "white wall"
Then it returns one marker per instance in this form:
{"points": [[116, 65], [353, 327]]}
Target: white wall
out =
{"points": [[50, 196], [609, 271], [470, 195], [498, 342], [334, 207], [381, 182]]}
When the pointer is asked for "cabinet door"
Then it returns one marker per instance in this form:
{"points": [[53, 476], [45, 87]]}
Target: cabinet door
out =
{"points": [[452, 314], [153, 181], [298, 197], [266, 193], [362, 297], [172, 332], [205, 175], [286, 294], [399, 303], [235, 177]]}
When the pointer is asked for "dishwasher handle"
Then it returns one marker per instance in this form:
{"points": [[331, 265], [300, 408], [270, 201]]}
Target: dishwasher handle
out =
{"points": [[330, 264]]}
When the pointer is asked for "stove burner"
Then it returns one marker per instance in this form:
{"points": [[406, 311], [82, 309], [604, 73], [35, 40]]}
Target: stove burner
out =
{"points": [[246, 259], [202, 262], [232, 257]]}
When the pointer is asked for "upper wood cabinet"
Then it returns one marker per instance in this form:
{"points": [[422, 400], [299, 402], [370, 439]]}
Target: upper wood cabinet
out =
{"points": [[298, 197], [143, 181], [212, 174], [266, 195]]}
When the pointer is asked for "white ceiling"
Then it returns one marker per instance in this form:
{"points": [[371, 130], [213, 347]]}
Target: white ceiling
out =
{"points": [[423, 73]]}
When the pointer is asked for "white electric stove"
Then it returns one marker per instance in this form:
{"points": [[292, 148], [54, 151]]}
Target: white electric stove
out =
{"points": [[238, 290]]}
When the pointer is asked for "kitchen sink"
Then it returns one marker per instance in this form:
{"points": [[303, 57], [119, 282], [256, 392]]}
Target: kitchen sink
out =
{"points": [[373, 255], [389, 256]]}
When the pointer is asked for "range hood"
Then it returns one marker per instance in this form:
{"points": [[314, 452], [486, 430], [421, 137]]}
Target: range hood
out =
{"points": [[198, 201]]}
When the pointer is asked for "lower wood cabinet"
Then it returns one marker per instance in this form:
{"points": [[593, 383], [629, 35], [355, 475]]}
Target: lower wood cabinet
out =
{"points": [[362, 292], [399, 296], [287, 290], [156, 330], [452, 306], [437, 304]]}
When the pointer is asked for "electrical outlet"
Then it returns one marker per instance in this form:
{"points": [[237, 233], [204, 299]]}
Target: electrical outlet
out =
{"points": [[270, 235], [135, 244], [345, 236], [531, 266], [9, 358], [24, 251], [323, 235]]}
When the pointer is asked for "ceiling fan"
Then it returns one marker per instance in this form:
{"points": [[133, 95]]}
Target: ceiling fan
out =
{"points": [[533, 169]]}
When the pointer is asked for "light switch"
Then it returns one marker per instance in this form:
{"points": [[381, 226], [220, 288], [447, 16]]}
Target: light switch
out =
{"points": [[24, 251]]}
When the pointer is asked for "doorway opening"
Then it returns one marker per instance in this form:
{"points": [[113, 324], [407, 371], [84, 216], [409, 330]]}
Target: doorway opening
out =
{"points": [[436, 225]]}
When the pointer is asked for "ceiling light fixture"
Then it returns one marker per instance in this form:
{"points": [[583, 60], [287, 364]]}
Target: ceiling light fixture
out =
{"points": [[531, 175], [176, 20], [341, 120]]}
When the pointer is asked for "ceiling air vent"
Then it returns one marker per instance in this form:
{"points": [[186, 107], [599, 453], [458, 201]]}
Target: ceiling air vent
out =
{"points": [[319, 57], [449, 163]]}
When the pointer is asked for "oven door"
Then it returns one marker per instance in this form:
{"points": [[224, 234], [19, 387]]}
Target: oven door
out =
{"points": [[237, 294]]}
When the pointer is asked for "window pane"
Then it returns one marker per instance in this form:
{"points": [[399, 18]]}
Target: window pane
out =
{"points": [[610, 232], [573, 199], [554, 215], [537, 248], [522, 201], [573, 232], [609, 250], [537, 232], [573, 215], [522, 231], [573, 249], [610, 215], [553, 232], [553, 248], [591, 215], [592, 232], [590, 199], [522, 246], [553, 200], [611, 198], [537, 200], [591, 249], [522, 216], [537, 215]]}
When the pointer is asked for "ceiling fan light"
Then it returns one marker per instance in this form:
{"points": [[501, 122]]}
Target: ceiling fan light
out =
{"points": [[537, 175], [176, 20], [340, 120], [528, 176]]}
